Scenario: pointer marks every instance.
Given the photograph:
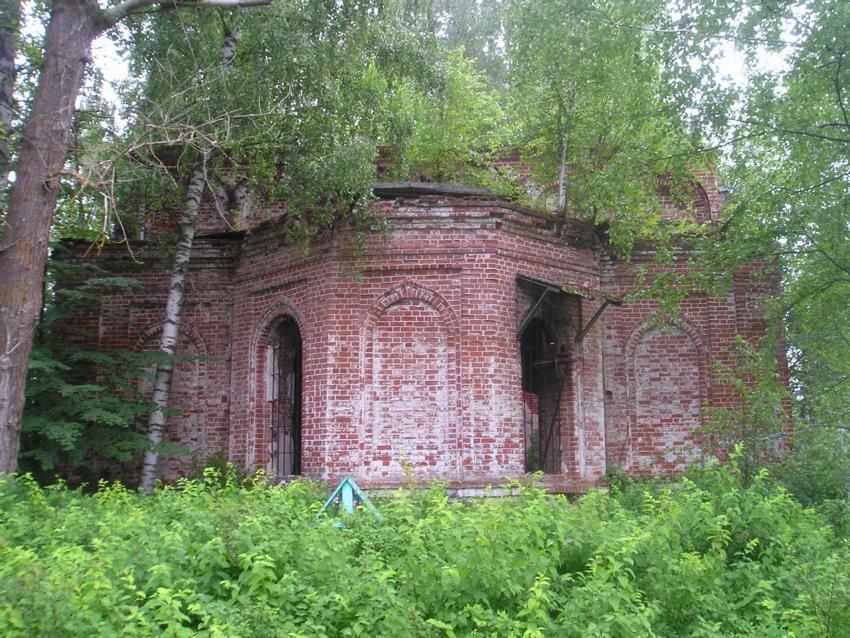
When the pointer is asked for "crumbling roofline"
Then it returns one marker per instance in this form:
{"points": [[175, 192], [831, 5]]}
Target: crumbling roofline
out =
{"points": [[390, 190]]}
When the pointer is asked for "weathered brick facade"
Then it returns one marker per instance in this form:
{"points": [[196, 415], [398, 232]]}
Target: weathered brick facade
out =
{"points": [[410, 360]]}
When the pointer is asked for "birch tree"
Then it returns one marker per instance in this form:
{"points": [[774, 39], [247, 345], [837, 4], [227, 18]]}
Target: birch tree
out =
{"points": [[73, 26], [788, 149], [174, 302], [588, 98], [171, 322], [456, 129]]}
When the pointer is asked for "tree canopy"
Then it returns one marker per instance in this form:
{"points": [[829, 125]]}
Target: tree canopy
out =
{"points": [[788, 166], [589, 105]]}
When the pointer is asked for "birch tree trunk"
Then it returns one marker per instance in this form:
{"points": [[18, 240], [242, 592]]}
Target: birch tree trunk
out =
{"points": [[74, 24], [174, 304], [565, 114], [171, 324], [563, 185]]}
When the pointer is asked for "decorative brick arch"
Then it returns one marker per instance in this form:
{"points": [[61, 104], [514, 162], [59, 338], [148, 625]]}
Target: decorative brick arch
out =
{"points": [[701, 203], [153, 332], [261, 340], [410, 290], [667, 386], [189, 428], [694, 203], [648, 325], [409, 379], [272, 317]]}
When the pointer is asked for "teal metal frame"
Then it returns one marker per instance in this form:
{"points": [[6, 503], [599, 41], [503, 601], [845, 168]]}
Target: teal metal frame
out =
{"points": [[349, 496]]}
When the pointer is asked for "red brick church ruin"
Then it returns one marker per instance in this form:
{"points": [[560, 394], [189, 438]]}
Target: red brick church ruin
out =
{"points": [[471, 341]]}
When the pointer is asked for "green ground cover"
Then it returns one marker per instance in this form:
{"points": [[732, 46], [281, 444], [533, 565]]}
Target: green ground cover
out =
{"points": [[705, 556]]}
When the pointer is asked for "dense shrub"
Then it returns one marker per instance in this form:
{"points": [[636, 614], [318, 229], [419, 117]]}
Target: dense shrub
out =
{"points": [[705, 556], [83, 406]]}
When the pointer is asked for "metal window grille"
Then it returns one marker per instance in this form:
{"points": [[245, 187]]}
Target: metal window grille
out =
{"points": [[285, 401], [541, 377]]}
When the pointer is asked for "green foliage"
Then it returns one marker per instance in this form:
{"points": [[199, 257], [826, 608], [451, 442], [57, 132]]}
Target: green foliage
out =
{"points": [[295, 116], [83, 406], [817, 468], [761, 424], [477, 27], [85, 208], [457, 129], [707, 556], [217, 465], [587, 89], [787, 162]]}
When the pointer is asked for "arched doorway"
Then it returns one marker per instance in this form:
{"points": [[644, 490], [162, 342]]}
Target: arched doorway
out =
{"points": [[284, 397]]}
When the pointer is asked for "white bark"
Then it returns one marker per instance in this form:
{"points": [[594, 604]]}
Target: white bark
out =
{"points": [[174, 303], [123, 9], [562, 180], [74, 24], [565, 123], [171, 324]]}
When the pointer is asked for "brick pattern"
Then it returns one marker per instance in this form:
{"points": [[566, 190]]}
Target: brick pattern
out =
{"points": [[410, 381], [200, 423], [411, 358], [711, 325], [187, 427], [701, 199], [666, 390]]}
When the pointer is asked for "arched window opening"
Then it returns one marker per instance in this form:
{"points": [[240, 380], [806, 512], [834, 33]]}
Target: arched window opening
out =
{"points": [[542, 390], [283, 379]]}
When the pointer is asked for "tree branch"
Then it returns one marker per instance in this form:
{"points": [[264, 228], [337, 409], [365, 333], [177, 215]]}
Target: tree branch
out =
{"points": [[810, 293], [832, 260], [839, 93], [813, 187], [123, 9], [709, 149], [791, 131]]}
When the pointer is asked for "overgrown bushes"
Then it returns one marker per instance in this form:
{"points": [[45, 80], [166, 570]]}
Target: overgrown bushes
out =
{"points": [[83, 405], [706, 556]]}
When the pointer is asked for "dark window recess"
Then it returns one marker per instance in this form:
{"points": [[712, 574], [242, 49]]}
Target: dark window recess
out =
{"points": [[285, 400], [543, 377]]}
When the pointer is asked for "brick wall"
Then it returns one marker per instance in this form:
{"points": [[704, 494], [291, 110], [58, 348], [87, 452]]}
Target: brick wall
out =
{"points": [[131, 320], [410, 353], [662, 372]]}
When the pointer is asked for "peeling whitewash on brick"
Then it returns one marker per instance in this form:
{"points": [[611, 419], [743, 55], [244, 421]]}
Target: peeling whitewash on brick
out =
{"points": [[411, 360], [667, 398]]}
